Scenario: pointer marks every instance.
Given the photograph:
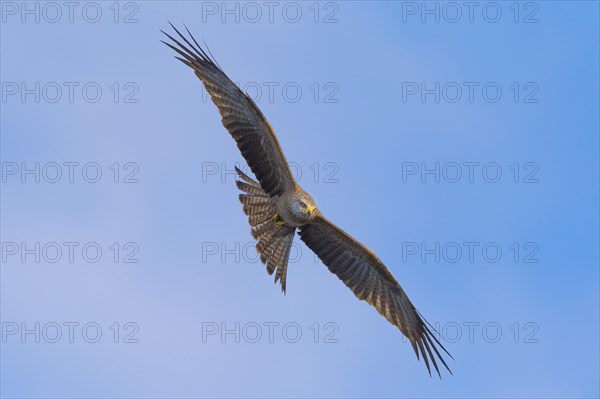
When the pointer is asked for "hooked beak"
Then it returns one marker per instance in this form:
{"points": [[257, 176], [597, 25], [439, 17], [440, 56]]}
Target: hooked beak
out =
{"points": [[310, 210]]}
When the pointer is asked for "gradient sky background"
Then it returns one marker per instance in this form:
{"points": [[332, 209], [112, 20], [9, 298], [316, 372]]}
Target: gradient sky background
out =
{"points": [[361, 135]]}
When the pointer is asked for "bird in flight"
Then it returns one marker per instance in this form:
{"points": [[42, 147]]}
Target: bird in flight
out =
{"points": [[277, 206]]}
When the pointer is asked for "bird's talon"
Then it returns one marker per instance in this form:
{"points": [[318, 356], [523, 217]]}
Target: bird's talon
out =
{"points": [[278, 220]]}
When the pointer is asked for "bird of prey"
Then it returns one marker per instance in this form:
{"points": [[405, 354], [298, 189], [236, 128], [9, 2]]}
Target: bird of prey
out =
{"points": [[276, 207]]}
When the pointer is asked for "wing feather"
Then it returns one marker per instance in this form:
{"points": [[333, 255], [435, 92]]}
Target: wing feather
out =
{"points": [[243, 119], [369, 279]]}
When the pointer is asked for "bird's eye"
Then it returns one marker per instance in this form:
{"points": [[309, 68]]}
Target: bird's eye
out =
{"points": [[303, 205]]}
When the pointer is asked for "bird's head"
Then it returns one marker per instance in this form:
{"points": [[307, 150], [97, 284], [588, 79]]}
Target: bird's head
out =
{"points": [[304, 206]]}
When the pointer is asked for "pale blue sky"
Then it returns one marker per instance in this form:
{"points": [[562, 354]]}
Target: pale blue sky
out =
{"points": [[360, 140]]}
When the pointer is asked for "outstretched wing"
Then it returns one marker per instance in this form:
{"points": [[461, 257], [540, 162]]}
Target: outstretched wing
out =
{"points": [[369, 279], [241, 117]]}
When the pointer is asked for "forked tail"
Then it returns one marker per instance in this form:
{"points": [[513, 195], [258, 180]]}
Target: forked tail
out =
{"points": [[274, 241]]}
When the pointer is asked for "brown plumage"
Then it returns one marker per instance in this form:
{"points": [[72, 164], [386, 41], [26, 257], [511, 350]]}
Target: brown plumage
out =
{"points": [[276, 206], [274, 243]]}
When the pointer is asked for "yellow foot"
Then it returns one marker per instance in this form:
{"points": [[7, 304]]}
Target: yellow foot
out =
{"points": [[278, 220]]}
